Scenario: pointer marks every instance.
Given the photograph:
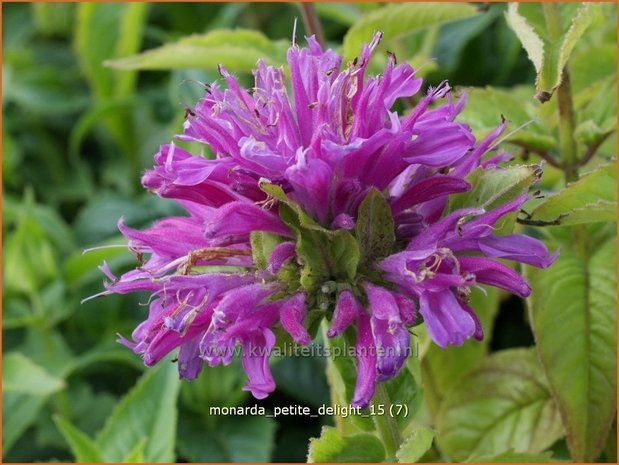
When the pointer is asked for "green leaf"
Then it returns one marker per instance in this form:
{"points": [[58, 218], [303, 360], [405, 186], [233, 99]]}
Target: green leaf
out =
{"points": [[590, 133], [108, 351], [548, 45], [29, 256], [530, 38], [103, 32], [333, 447], [344, 13], [97, 220], [17, 313], [415, 445], [53, 18], [19, 411], [47, 89], [344, 255], [573, 315], [89, 409], [95, 37], [136, 455], [21, 375], [106, 31], [238, 50], [26, 388], [405, 394], [396, 21], [231, 439], [513, 457], [130, 32], [83, 448], [454, 38], [147, 411], [580, 23], [484, 108], [591, 199], [374, 228], [503, 403]]}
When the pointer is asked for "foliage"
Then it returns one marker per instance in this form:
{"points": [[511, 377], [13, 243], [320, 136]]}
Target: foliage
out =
{"points": [[91, 90]]}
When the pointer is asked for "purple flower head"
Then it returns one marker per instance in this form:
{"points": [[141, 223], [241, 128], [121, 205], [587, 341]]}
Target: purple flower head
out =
{"points": [[321, 202]]}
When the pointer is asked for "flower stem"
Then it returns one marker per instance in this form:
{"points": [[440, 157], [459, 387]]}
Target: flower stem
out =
{"points": [[385, 423], [567, 144], [311, 21], [566, 129]]}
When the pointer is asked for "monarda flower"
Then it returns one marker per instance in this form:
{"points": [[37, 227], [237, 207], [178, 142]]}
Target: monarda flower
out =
{"points": [[320, 202]]}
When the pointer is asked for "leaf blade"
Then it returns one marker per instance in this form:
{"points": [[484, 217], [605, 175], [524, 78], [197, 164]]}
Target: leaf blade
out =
{"points": [[502, 403], [238, 50], [591, 199], [415, 445], [331, 446], [148, 410], [403, 19], [576, 341], [83, 448]]}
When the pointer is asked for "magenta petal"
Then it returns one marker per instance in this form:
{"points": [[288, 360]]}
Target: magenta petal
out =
{"points": [[256, 352], [347, 309], [238, 218], [479, 330], [382, 303], [165, 341], [473, 160], [311, 180], [446, 320], [483, 224], [495, 274], [517, 247], [241, 300], [292, 316], [281, 254], [437, 232], [170, 237], [428, 189], [189, 362], [408, 311], [365, 353], [215, 349], [403, 84], [392, 347], [440, 146]]}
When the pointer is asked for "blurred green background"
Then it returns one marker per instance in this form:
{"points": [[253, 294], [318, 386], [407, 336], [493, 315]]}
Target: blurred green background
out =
{"points": [[76, 137]]}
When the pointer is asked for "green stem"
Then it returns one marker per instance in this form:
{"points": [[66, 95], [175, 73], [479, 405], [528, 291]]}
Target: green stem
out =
{"points": [[567, 143], [386, 425], [566, 129]]}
